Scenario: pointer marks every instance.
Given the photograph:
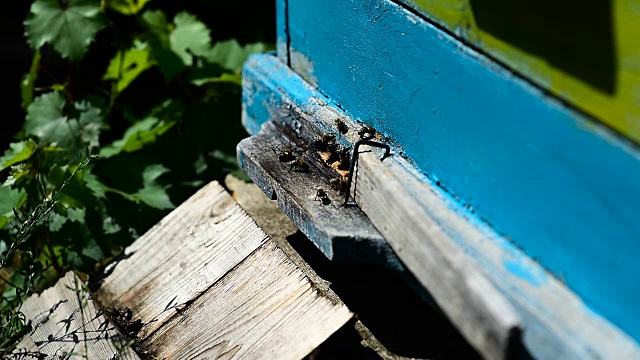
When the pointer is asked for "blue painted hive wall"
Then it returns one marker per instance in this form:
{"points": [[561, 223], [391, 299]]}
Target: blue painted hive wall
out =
{"points": [[559, 185]]}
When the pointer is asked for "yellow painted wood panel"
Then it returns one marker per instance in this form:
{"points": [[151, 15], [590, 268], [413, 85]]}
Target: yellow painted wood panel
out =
{"points": [[616, 103]]}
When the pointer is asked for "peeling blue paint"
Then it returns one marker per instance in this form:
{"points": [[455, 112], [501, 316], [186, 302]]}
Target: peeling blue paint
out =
{"points": [[562, 188], [520, 269]]}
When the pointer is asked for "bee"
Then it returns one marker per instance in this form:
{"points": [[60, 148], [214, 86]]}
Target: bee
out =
{"points": [[342, 127], [338, 184], [285, 154], [334, 154], [367, 132], [325, 142], [299, 165], [322, 196], [344, 160]]}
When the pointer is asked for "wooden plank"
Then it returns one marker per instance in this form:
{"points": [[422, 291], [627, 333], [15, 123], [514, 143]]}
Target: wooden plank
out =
{"points": [[473, 304], [265, 308], [557, 323], [342, 234], [181, 257], [66, 324], [26, 349]]}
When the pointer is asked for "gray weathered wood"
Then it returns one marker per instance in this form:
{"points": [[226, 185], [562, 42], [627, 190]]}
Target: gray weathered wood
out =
{"points": [[26, 349], [342, 234], [181, 257], [66, 324], [265, 308], [208, 283], [478, 310]]}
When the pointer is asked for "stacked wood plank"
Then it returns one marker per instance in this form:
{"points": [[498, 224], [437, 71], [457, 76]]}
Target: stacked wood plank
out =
{"points": [[206, 282]]}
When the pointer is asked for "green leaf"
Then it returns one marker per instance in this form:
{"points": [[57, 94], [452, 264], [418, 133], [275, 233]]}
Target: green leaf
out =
{"points": [[68, 25], [56, 221], [109, 226], [17, 152], [46, 120], [93, 251], [152, 193], [230, 55], [92, 182], [126, 7], [169, 62], [138, 136], [19, 176], [9, 199], [189, 37], [124, 68], [230, 164], [76, 214], [89, 125], [224, 78], [26, 86]]}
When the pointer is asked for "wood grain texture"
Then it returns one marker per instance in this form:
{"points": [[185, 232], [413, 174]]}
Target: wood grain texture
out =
{"points": [[26, 349], [181, 257], [342, 234], [473, 304], [265, 308], [66, 324]]}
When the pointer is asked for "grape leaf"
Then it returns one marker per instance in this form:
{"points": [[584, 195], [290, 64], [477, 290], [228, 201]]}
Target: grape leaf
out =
{"points": [[91, 181], [19, 176], [169, 62], [76, 214], [152, 193], [68, 25], [46, 120], [230, 164], [137, 136], [189, 37], [17, 152], [230, 55], [124, 68], [56, 221], [9, 199], [126, 7]]}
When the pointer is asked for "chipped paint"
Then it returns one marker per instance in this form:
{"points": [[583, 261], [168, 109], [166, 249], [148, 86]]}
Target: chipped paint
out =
{"points": [[521, 269]]}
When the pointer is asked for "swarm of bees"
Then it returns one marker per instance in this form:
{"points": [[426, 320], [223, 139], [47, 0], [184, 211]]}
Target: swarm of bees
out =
{"points": [[334, 153], [325, 142]]}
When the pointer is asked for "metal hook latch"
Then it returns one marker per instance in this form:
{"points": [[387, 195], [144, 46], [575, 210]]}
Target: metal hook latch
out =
{"points": [[354, 158]]}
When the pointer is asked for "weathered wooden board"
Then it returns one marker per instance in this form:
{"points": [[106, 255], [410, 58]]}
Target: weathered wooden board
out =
{"points": [[66, 324], [342, 234], [265, 308], [563, 187], [181, 257], [208, 283], [26, 349], [557, 323]]}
